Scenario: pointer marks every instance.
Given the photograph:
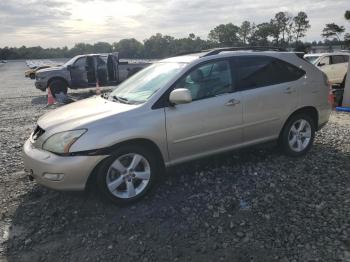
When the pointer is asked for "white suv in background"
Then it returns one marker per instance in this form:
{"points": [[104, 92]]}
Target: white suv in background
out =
{"points": [[334, 65]]}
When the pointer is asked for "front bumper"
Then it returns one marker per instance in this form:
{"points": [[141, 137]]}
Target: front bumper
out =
{"points": [[76, 169]]}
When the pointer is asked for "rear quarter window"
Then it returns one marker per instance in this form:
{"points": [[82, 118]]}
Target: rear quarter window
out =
{"points": [[259, 71]]}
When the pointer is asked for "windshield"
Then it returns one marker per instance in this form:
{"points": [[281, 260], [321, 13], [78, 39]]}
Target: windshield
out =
{"points": [[311, 59], [70, 62], [141, 86]]}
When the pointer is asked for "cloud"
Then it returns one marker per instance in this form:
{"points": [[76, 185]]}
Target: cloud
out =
{"points": [[65, 22]]}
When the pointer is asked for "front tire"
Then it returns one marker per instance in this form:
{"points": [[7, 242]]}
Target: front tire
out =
{"points": [[128, 175], [298, 135], [58, 86], [32, 76]]}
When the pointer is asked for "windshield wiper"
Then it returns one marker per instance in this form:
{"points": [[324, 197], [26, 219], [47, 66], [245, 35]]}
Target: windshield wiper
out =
{"points": [[121, 99]]}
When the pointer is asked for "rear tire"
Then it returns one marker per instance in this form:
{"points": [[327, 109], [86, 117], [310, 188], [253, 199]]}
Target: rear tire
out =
{"points": [[297, 135], [128, 175], [58, 86], [32, 76]]}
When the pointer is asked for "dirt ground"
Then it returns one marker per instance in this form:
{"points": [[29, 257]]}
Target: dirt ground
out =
{"points": [[250, 205]]}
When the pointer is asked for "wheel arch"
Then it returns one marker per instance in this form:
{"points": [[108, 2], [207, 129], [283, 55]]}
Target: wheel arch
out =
{"points": [[57, 78], [309, 110], [143, 142]]}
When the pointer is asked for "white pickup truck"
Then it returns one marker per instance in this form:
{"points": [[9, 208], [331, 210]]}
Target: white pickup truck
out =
{"points": [[84, 71], [334, 65]]}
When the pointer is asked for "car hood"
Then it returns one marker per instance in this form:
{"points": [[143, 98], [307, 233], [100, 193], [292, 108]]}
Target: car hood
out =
{"points": [[50, 69], [81, 113]]}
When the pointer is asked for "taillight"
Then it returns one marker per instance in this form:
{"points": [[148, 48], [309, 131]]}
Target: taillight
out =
{"points": [[331, 99]]}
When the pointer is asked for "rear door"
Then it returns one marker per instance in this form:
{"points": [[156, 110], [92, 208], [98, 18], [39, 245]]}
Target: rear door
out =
{"points": [[112, 68], [212, 121], [339, 64], [268, 89]]}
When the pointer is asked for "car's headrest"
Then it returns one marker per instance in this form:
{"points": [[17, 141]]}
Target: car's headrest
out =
{"points": [[197, 75]]}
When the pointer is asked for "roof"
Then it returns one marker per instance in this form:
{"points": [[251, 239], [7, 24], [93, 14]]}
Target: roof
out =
{"points": [[189, 57], [334, 53]]}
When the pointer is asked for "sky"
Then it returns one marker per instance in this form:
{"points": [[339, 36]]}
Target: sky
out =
{"points": [[58, 23]]}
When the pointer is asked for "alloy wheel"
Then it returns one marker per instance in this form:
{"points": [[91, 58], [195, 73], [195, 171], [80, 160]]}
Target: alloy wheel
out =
{"points": [[299, 136], [128, 175]]}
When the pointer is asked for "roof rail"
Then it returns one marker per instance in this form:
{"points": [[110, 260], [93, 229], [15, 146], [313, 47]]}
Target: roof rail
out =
{"points": [[188, 52], [251, 48]]}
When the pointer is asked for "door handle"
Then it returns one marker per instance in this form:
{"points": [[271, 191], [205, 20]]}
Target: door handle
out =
{"points": [[288, 90], [232, 102]]}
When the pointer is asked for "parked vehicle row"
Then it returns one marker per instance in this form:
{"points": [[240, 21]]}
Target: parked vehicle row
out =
{"points": [[32, 71], [176, 110], [84, 71]]}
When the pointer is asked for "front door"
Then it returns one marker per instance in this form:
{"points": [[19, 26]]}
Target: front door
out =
{"points": [[78, 73], [212, 121]]}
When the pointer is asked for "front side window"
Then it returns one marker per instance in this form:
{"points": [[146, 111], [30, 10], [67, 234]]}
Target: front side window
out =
{"points": [[208, 80], [324, 61], [260, 71], [80, 63]]}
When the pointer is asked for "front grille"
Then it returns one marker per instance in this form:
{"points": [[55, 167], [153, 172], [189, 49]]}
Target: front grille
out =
{"points": [[38, 131]]}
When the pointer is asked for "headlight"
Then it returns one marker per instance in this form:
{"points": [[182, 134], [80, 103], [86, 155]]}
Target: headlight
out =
{"points": [[62, 142], [40, 77]]}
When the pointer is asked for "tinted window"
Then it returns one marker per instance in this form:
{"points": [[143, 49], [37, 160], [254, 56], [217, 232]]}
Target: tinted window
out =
{"points": [[346, 58], [80, 63], [338, 59], [208, 80], [259, 71]]}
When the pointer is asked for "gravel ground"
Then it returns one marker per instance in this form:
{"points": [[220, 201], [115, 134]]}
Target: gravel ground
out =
{"points": [[249, 205]]}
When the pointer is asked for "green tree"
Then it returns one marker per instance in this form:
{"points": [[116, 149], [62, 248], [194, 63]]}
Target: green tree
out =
{"points": [[225, 34], [260, 34], [332, 30], [245, 31], [347, 15], [129, 48], [282, 23], [159, 46], [301, 25]]}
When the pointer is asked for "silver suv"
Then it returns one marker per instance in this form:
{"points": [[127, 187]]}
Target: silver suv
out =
{"points": [[177, 110]]}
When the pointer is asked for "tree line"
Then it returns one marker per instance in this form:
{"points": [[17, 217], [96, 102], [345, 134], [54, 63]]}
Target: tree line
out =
{"points": [[283, 30]]}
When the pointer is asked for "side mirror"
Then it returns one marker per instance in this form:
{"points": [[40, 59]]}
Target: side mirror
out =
{"points": [[321, 64], [180, 96]]}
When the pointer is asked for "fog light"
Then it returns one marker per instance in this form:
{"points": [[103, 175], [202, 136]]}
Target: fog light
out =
{"points": [[54, 177]]}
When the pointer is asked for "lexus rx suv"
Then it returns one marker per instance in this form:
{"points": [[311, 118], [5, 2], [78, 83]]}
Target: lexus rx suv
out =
{"points": [[177, 110]]}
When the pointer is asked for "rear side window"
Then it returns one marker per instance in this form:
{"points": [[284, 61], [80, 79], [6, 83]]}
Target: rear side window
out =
{"points": [[260, 71], [338, 59], [346, 58]]}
